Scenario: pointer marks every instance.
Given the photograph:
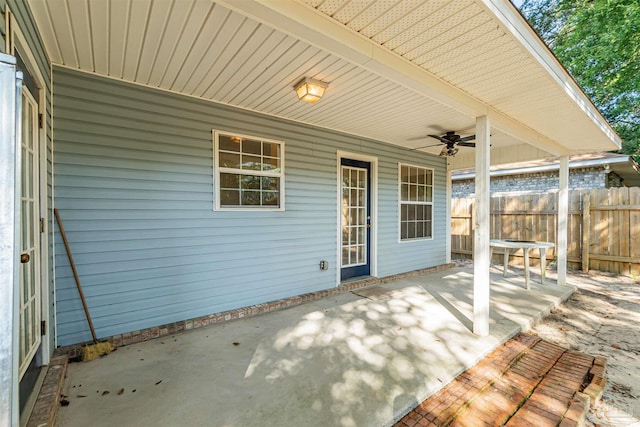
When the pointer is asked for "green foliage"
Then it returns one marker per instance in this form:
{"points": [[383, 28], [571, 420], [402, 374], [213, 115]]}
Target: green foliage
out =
{"points": [[598, 41]]}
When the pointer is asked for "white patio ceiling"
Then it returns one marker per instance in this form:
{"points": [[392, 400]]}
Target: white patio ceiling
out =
{"points": [[397, 69]]}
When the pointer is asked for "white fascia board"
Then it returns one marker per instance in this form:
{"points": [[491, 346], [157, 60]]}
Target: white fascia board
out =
{"points": [[515, 24], [307, 24]]}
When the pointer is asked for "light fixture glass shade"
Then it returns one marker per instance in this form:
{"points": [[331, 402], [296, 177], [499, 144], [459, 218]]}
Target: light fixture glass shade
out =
{"points": [[310, 90]]}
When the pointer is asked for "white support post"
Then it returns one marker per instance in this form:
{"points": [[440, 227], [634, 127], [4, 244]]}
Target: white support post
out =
{"points": [[481, 250], [448, 217], [563, 214]]}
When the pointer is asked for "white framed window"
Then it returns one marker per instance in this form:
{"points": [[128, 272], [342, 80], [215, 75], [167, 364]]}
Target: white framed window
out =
{"points": [[415, 189], [249, 172]]}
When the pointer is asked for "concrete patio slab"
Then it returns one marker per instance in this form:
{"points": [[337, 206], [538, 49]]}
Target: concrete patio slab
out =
{"points": [[340, 361]]}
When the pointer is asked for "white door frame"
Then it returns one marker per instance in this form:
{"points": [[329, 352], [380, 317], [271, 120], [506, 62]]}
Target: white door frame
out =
{"points": [[18, 41], [373, 239]]}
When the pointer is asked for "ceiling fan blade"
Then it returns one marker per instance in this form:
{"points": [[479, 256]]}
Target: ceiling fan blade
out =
{"points": [[426, 146], [466, 144], [467, 138], [418, 138], [439, 138]]}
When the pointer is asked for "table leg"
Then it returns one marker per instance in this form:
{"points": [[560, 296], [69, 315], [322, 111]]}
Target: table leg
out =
{"points": [[543, 265], [506, 262], [526, 267]]}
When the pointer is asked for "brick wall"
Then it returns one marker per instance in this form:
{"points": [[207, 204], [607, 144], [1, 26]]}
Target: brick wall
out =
{"points": [[585, 178]]}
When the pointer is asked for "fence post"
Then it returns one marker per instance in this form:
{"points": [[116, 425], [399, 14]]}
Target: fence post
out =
{"points": [[586, 230]]}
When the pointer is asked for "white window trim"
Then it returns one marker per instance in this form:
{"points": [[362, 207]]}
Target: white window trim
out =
{"points": [[217, 170], [432, 204]]}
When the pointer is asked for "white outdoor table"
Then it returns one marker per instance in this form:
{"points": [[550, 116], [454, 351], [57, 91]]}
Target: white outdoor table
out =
{"points": [[525, 245]]}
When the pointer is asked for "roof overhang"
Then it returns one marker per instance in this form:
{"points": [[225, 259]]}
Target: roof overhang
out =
{"points": [[397, 71]]}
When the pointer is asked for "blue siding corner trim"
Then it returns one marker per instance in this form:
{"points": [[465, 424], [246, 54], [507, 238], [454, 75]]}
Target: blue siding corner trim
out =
{"points": [[134, 186]]}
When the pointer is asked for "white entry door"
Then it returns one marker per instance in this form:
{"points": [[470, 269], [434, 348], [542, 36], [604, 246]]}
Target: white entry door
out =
{"points": [[30, 309]]}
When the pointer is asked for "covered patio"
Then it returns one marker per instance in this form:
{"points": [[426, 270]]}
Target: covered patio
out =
{"points": [[129, 103], [346, 360]]}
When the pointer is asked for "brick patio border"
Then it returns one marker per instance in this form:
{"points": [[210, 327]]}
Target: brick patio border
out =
{"points": [[154, 332]]}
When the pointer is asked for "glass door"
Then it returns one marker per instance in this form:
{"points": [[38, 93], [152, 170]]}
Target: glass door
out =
{"points": [[355, 218], [30, 309]]}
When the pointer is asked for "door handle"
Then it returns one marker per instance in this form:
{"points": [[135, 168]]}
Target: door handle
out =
{"points": [[24, 258]]}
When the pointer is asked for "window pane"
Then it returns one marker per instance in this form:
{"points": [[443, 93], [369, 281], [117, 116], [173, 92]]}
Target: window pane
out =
{"points": [[362, 198], [362, 180], [403, 230], [404, 173], [413, 178], [252, 147], [411, 231], [229, 160], [269, 183], [422, 193], [271, 198], [405, 193], [427, 214], [229, 180], [250, 182], [429, 194], [229, 143], [270, 164], [429, 177], [250, 198], [345, 255], [422, 176], [419, 229], [271, 150], [345, 197], [427, 229], [251, 163], [420, 213], [345, 235], [229, 197], [413, 193], [404, 209]]}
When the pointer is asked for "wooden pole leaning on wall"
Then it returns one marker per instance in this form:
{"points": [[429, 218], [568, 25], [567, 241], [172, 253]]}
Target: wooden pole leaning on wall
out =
{"points": [[586, 230]]}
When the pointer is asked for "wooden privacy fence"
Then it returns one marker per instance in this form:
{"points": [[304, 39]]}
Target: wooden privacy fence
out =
{"points": [[603, 226]]}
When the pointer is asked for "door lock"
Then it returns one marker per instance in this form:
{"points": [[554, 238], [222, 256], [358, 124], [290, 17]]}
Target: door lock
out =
{"points": [[25, 258]]}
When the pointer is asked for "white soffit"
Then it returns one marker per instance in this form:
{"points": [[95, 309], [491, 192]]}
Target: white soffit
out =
{"points": [[250, 53]]}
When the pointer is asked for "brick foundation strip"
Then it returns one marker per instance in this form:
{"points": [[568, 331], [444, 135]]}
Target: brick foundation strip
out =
{"points": [[539, 383], [147, 334], [46, 406]]}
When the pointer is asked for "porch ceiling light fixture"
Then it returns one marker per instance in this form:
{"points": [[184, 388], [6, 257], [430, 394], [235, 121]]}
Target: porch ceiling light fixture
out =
{"points": [[310, 90]]}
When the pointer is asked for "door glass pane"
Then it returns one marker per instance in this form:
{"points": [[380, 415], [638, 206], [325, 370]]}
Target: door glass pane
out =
{"points": [[354, 213]]}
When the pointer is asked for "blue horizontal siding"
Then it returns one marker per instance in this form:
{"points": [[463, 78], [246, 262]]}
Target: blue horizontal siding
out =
{"points": [[134, 186]]}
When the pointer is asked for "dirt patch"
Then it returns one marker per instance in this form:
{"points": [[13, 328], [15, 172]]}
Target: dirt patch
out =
{"points": [[602, 318]]}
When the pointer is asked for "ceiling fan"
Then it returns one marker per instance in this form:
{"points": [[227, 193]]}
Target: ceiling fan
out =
{"points": [[451, 141]]}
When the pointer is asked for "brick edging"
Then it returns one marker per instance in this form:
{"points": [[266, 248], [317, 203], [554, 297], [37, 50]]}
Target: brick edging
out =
{"points": [[46, 407], [119, 340]]}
